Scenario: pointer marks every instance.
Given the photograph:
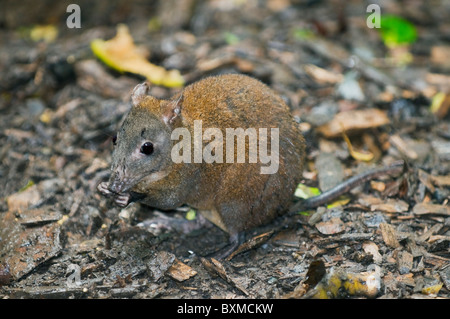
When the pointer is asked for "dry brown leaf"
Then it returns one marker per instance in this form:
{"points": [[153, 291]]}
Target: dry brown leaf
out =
{"points": [[321, 75], [333, 226], [353, 120], [180, 271]]}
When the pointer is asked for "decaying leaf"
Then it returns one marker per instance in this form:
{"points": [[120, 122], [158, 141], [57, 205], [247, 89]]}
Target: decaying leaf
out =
{"points": [[340, 201], [121, 54], [432, 289], [306, 192], [440, 104], [339, 283], [353, 120]]}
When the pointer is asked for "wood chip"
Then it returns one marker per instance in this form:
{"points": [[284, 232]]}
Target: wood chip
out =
{"points": [[34, 194], [413, 149], [180, 271], [22, 200], [425, 208], [160, 264], [425, 179], [344, 238], [322, 76], [39, 216], [28, 247], [440, 80], [445, 276], [251, 244], [18, 134], [371, 248], [440, 180], [216, 267], [97, 164], [403, 147], [389, 235], [404, 262], [391, 206], [433, 230], [330, 171], [440, 54]]}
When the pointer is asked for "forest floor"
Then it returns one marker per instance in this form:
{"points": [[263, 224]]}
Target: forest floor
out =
{"points": [[60, 107]]}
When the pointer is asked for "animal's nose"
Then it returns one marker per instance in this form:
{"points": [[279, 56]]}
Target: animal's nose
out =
{"points": [[115, 183]]}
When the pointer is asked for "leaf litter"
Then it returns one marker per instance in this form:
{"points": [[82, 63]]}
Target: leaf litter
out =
{"points": [[61, 107]]}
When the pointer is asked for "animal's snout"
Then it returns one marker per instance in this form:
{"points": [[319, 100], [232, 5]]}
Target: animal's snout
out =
{"points": [[116, 183]]}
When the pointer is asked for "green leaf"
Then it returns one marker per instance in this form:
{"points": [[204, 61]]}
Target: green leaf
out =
{"points": [[306, 192], [397, 31], [303, 34], [231, 38], [191, 214], [342, 200], [28, 185]]}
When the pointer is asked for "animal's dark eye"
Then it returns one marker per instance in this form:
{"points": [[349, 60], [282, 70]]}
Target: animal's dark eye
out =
{"points": [[114, 139], [147, 148]]}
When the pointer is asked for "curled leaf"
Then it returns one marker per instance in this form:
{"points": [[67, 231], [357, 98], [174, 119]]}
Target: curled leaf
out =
{"points": [[365, 157], [121, 54]]}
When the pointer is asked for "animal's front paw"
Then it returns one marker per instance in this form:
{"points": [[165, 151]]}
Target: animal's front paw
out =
{"points": [[103, 188], [122, 200]]}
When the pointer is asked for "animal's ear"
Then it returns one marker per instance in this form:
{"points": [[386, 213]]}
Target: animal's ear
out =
{"points": [[139, 93], [171, 111]]}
